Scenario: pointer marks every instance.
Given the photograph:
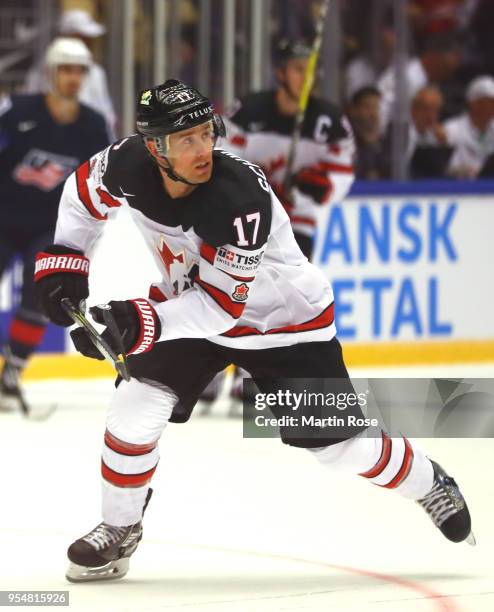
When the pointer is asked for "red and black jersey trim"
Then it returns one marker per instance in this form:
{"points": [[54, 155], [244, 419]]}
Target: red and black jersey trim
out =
{"points": [[107, 199], [208, 253], [127, 449], [222, 299], [325, 319], [156, 294], [245, 279], [126, 480], [82, 175]]}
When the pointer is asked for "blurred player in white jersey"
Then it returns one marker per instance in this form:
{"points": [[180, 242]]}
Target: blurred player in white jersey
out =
{"points": [[260, 129], [234, 288]]}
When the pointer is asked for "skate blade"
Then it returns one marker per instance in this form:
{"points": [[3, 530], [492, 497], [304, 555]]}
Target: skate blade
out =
{"points": [[471, 539], [111, 571], [40, 413], [9, 404]]}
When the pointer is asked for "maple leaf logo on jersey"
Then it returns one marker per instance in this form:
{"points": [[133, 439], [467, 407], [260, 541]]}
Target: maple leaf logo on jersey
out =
{"points": [[240, 292], [181, 275]]}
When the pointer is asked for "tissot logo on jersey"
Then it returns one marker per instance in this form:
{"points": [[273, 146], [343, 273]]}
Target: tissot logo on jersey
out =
{"points": [[235, 260]]}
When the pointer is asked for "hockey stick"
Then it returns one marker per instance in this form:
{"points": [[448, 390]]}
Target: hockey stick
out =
{"points": [[118, 361], [304, 96]]}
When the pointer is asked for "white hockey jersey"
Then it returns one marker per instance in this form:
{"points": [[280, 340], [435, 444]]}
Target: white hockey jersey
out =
{"points": [[257, 131], [231, 269]]}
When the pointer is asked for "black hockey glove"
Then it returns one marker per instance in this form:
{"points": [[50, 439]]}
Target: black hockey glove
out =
{"points": [[61, 272], [138, 325], [314, 182]]}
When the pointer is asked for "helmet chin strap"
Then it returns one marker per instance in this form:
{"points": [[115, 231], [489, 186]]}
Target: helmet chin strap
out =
{"points": [[170, 172]]}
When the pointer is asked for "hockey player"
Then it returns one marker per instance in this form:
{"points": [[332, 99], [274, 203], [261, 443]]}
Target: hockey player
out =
{"points": [[43, 138], [235, 288], [260, 129]]}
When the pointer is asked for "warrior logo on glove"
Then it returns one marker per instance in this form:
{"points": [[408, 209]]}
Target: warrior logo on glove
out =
{"points": [[137, 322]]}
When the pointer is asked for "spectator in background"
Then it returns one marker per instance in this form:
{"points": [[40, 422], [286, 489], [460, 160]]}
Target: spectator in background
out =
{"points": [[43, 138], [437, 63], [427, 150], [425, 111], [94, 92], [472, 134], [366, 68], [372, 160]]}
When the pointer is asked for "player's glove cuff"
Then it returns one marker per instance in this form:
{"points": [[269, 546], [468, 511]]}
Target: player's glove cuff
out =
{"points": [[56, 259], [149, 327], [137, 322], [61, 272]]}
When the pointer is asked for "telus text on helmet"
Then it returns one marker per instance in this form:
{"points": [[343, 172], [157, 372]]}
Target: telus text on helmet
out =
{"points": [[196, 114]]}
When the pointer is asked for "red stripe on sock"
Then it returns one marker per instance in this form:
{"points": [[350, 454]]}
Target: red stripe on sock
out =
{"points": [[383, 459], [406, 466], [126, 448], [126, 480], [26, 333]]}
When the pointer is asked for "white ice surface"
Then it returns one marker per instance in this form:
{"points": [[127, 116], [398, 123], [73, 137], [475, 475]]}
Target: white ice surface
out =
{"points": [[237, 524]]}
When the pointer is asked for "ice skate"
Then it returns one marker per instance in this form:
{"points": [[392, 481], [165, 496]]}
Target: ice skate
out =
{"points": [[11, 396], [103, 553], [447, 508]]}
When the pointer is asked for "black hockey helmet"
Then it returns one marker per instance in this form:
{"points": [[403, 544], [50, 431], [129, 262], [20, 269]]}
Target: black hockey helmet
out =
{"points": [[172, 107], [288, 49]]}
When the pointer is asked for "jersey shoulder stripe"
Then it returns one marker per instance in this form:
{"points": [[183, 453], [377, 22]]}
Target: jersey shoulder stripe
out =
{"points": [[82, 176]]}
